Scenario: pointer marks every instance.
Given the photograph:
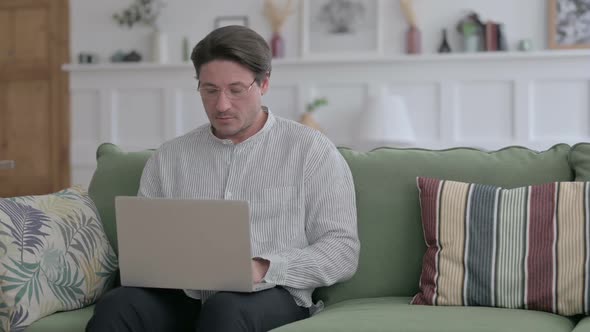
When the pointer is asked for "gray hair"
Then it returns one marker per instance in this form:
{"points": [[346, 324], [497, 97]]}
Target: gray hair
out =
{"points": [[238, 44]]}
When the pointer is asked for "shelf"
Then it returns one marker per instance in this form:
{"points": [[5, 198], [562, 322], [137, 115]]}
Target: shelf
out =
{"points": [[347, 59], [126, 66], [435, 57]]}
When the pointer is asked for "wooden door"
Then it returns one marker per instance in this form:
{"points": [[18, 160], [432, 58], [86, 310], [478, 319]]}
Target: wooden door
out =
{"points": [[34, 101]]}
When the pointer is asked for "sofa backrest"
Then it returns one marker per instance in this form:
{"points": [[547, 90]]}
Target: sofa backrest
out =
{"points": [[117, 174], [389, 221]]}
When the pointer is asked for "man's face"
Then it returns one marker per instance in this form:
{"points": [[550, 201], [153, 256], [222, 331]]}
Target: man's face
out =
{"points": [[232, 99]]}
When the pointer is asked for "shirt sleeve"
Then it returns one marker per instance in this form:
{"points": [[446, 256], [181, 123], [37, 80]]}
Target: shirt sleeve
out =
{"points": [[330, 223]]}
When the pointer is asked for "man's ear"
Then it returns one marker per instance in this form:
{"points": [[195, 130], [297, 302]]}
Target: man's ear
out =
{"points": [[265, 85]]}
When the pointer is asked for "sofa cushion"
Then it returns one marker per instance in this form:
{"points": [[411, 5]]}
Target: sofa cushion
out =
{"points": [[583, 325], [580, 160], [390, 230], [69, 321], [396, 314], [117, 174], [55, 255], [512, 248]]}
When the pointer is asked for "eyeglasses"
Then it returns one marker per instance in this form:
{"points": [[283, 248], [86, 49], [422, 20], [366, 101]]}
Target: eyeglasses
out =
{"points": [[235, 91]]}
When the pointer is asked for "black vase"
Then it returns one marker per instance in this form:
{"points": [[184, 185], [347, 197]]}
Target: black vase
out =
{"points": [[444, 45]]}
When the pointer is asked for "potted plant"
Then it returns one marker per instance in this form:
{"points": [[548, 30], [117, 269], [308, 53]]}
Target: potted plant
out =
{"points": [[147, 13], [307, 117]]}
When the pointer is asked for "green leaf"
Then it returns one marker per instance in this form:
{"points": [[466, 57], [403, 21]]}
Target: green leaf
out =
{"points": [[67, 287], [109, 266], [38, 289], [23, 273], [316, 103], [111, 263], [6, 278], [11, 287], [21, 293], [81, 234], [30, 266], [26, 277], [3, 311]]}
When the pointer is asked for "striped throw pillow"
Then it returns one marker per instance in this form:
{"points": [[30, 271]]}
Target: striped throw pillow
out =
{"points": [[522, 248]]}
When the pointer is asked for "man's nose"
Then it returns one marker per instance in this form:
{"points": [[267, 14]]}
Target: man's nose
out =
{"points": [[223, 103]]}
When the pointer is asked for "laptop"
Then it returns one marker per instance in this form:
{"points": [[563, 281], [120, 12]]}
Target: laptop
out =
{"points": [[185, 244]]}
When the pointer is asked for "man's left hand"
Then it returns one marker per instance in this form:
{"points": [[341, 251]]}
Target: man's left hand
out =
{"points": [[259, 268]]}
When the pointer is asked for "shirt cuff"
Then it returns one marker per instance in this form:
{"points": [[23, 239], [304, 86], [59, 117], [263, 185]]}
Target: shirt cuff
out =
{"points": [[277, 270]]}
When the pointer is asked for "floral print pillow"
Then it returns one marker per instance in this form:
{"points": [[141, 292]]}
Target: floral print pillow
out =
{"points": [[54, 256]]}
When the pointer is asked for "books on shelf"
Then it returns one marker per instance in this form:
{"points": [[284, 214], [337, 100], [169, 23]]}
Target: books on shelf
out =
{"points": [[494, 37], [483, 36]]}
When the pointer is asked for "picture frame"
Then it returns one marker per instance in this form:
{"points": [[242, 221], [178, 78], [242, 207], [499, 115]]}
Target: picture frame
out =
{"points": [[222, 21], [341, 28], [569, 24]]}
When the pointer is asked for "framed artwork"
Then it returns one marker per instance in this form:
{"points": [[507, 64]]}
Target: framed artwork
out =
{"points": [[569, 24], [222, 21], [341, 27]]}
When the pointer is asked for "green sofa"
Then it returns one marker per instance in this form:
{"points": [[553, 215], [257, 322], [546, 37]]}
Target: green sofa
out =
{"points": [[377, 297]]}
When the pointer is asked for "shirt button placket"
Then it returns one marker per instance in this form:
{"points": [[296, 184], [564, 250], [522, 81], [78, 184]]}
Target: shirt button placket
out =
{"points": [[228, 193]]}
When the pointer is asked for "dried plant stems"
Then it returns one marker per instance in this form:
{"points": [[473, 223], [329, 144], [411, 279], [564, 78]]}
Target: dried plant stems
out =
{"points": [[277, 16], [409, 13]]}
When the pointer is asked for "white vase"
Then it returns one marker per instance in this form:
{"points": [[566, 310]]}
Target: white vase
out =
{"points": [[471, 43], [159, 47]]}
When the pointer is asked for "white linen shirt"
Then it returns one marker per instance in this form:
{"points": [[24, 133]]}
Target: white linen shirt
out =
{"points": [[300, 192]]}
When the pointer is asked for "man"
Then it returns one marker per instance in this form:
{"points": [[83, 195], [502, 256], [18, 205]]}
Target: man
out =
{"points": [[299, 188]]}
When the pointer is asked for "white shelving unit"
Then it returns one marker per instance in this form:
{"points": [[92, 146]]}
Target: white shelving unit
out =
{"points": [[485, 100]]}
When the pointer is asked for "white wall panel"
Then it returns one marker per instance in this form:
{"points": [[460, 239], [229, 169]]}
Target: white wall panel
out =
{"points": [[561, 109], [484, 111], [282, 100], [81, 175], [140, 117], [423, 102], [339, 117], [86, 116], [85, 134], [191, 108]]}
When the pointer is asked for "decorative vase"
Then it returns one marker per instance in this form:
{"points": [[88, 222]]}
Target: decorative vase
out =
{"points": [[502, 40], [525, 45], [444, 45], [472, 43], [277, 45], [159, 47], [413, 40], [186, 53], [308, 120]]}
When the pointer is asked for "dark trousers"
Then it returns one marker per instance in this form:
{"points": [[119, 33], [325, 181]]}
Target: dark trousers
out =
{"points": [[148, 309]]}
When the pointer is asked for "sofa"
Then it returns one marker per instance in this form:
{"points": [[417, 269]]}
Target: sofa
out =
{"points": [[378, 297]]}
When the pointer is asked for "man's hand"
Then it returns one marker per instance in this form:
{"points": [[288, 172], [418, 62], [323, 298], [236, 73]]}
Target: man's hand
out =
{"points": [[259, 268]]}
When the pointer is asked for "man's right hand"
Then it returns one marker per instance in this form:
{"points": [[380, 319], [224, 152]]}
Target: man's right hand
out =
{"points": [[259, 269]]}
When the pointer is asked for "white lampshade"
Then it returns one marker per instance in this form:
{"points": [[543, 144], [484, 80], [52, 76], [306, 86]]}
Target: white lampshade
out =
{"points": [[386, 121]]}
